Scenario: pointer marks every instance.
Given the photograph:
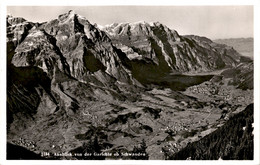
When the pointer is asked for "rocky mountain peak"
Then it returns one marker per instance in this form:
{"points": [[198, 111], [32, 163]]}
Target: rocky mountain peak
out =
{"points": [[14, 20], [73, 45], [67, 16], [17, 29], [70, 23], [71, 12], [140, 28]]}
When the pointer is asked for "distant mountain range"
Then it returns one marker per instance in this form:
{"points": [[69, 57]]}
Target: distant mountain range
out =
{"points": [[244, 46]]}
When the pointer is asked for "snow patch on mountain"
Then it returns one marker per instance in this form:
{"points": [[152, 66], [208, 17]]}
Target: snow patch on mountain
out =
{"points": [[36, 34]]}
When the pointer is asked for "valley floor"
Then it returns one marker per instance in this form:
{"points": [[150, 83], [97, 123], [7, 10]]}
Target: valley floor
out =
{"points": [[164, 119]]}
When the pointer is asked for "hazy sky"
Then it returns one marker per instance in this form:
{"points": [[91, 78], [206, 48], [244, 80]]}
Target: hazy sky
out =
{"points": [[211, 21]]}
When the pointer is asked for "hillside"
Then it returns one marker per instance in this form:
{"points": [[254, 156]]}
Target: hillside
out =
{"points": [[234, 140]]}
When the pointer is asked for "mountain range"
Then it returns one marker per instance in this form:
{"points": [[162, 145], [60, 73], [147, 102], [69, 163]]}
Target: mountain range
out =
{"points": [[69, 80], [245, 46]]}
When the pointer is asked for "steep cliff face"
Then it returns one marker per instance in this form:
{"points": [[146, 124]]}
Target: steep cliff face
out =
{"points": [[167, 49], [227, 53], [17, 29], [27, 88], [73, 46]]}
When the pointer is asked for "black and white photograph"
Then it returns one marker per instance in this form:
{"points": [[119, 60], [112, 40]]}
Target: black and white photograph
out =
{"points": [[130, 82]]}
